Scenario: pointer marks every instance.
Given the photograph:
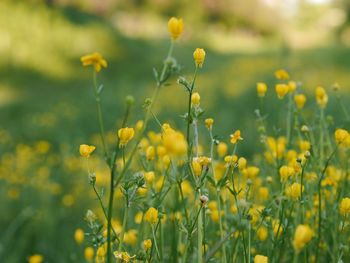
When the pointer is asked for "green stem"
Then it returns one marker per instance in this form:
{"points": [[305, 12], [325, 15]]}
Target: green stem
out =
{"points": [[155, 241], [125, 220], [220, 224]]}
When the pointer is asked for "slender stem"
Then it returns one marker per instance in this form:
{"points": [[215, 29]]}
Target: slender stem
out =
{"points": [[109, 219], [249, 239], [155, 241], [289, 118], [99, 113], [125, 220], [220, 223]]}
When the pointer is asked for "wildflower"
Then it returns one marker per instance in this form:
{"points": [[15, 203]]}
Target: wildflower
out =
{"points": [[125, 135], [277, 228], [300, 100], [149, 177], [204, 199], [147, 244], [321, 97], [150, 153], [195, 99], [294, 190], [36, 258], [196, 167], [251, 172], [281, 90], [89, 253], [292, 85], [303, 235], [85, 150], [222, 149], [175, 27], [230, 159], [304, 145], [281, 74], [344, 206], [174, 141], [236, 136], [263, 193], [341, 135], [304, 128], [261, 89], [139, 125], [130, 237], [151, 216], [242, 163], [199, 56], [209, 123], [260, 259], [100, 254], [262, 233], [79, 235], [286, 172], [123, 256], [94, 59]]}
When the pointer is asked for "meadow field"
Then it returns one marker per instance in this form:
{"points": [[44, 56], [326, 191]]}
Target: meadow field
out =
{"points": [[153, 140]]}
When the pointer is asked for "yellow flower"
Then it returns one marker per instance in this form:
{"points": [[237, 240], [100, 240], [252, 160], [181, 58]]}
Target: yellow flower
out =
{"points": [[151, 216], [197, 167], [242, 163], [303, 235], [85, 150], [236, 136], [292, 86], [281, 74], [94, 59], [79, 236], [150, 153], [123, 256], [222, 149], [36, 258], [175, 27], [89, 253], [300, 100], [174, 142], [149, 177], [209, 123], [125, 135], [195, 99], [260, 259], [321, 97], [262, 233], [147, 244], [261, 89], [199, 56], [277, 228], [286, 172], [130, 237], [344, 207], [294, 190], [281, 90], [341, 135]]}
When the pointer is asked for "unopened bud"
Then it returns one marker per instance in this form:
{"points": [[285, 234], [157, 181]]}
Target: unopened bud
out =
{"points": [[204, 199]]}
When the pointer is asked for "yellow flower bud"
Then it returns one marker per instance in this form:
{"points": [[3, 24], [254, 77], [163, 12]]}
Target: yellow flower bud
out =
{"points": [[260, 259], [195, 99], [150, 153], [149, 177], [236, 136], [344, 206], [341, 135], [262, 233], [139, 125], [303, 234], [281, 90], [85, 150], [209, 123], [300, 100], [321, 97], [294, 191], [94, 59], [79, 236], [125, 135], [222, 149], [281, 74], [292, 86], [36, 258], [286, 172], [199, 56], [175, 27], [147, 244], [151, 216], [197, 167], [261, 89], [242, 163], [89, 254]]}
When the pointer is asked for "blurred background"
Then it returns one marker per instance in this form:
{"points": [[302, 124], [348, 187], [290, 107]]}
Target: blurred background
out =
{"points": [[47, 106]]}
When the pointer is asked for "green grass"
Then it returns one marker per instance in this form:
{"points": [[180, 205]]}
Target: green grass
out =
{"points": [[46, 94]]}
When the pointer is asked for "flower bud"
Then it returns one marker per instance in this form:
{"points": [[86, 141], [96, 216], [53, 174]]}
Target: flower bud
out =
{"points": [[199, 56], [175, 27]]}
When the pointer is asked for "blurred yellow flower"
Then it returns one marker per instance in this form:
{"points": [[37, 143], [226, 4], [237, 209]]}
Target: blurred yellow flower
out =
{"points": [[123, 256], [260, 259], [94, 59], [175, 27], [281, 74], [261, 89], [222, 149], [36, 258], [235, 137], [285, 172], [340, 135], [125, 135], [303, 234], [300, 100], [321, 97], [242, 163], [292, 86], [195, 99], [79, 235], [262, 233], [344, 206], [209, 123], [199, 57], [294, 191], [281, 90], [151, 216], [147, 244], [89, 253], [85, 150], [150, 153]]}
